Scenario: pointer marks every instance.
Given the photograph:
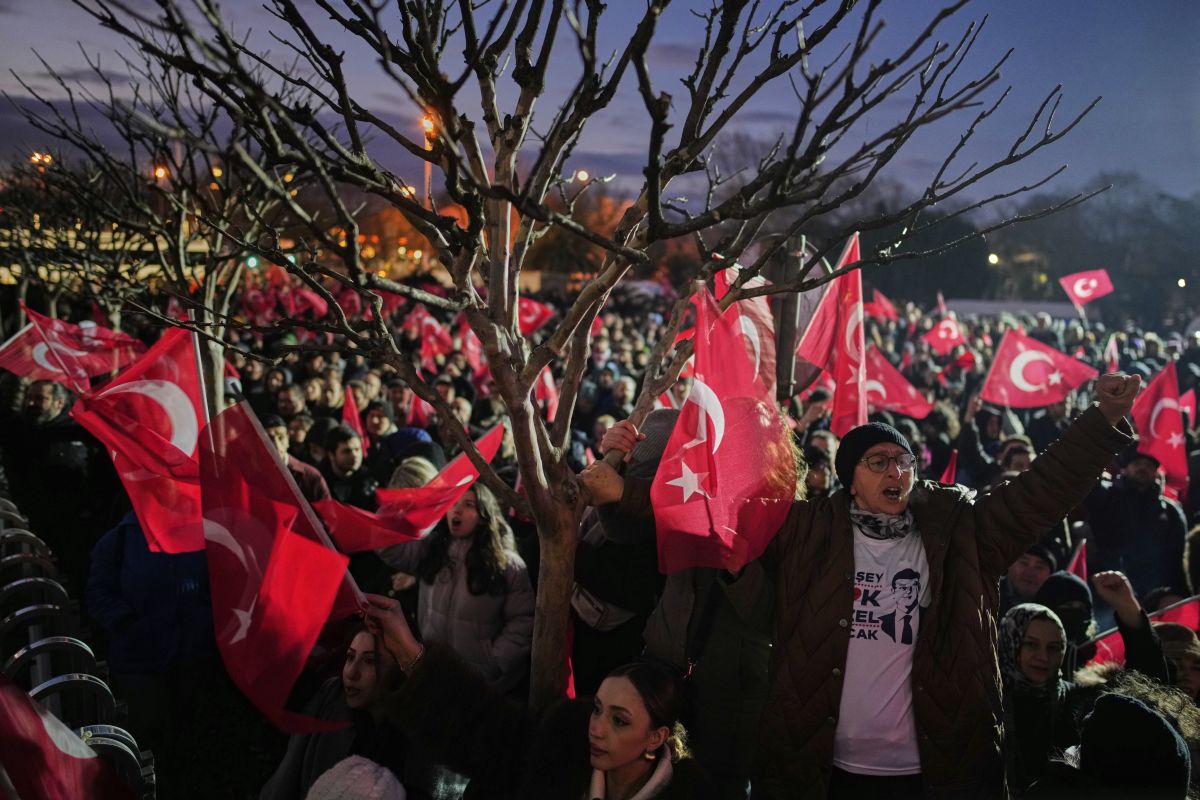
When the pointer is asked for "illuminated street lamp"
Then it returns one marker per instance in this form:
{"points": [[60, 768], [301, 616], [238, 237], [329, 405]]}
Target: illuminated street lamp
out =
{"points": [[993, 259], [1181, 283], [582, 175], [160, 172]]}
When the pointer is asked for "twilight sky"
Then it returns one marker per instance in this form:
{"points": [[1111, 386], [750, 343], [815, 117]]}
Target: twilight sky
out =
{"points": [[1143, 59]]}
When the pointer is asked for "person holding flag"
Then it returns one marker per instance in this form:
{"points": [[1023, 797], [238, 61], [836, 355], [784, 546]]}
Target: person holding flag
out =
{"points": [[883, 677]]}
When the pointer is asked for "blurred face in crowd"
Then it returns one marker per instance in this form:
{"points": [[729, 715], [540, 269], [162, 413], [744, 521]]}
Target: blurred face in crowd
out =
{"points": [[275, 380], [373, 385], [40, 404], [1019, 460], [818, 480], [823, 442], [314, 391], [297, 431], [290, 401], [378, 423], [399, 396], [463, 518], [1042, 651], [1027, 574], [462, 410], [1141, 472], [253, 369], [347, 456], [446, 390], [279, 437], [620, 731], [363, 672], [885, 492]]}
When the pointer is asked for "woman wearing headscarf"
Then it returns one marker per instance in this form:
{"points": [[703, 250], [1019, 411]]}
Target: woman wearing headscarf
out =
{"points": [[1039, 704]]}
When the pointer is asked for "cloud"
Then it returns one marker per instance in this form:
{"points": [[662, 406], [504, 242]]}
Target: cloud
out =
{"points": [[71, 75], [672, 54]]}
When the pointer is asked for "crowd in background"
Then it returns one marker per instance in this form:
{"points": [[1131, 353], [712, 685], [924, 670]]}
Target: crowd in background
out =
{"points": [[470, 584]]}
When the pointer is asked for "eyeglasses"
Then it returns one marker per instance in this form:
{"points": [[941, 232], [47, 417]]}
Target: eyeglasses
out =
{"points": [[880, 462]]}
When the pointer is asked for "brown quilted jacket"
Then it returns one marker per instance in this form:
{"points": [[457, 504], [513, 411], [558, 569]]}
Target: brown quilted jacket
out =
{"points": [[970, 542]]}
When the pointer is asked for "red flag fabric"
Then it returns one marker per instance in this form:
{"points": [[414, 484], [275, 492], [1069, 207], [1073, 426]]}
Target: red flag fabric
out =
{"points": [[817, 344], [42, 758], [597, 326], [1028, 374], [756, 323], [727, 477], [273, 589], [54, 350], [1160, 425], [1084, 287], [308, 300], [1078, 564], [885, 307], [888, 390], [353, 418], [945, 336], [1111, 647], [532, 315], [471, 347], [406, 514], [1187, 405], [1112, 356], [545, 390], [150, 418], [950, 473], [435, 339]]}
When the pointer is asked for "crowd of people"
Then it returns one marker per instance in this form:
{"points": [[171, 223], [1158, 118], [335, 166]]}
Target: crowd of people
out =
{"points": [[901, 637]]}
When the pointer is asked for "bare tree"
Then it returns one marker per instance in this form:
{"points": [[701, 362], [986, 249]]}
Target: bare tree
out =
{"points": [[501, 171]]}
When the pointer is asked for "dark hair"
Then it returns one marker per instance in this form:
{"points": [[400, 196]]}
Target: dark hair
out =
{"points": [[488, 555], [57, 390], [378, 405], [662, 695], [290, 388], [339, 434], [906, 575]]}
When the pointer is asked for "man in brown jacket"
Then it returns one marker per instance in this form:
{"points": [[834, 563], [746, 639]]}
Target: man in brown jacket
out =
{"points": [[912, 711]]}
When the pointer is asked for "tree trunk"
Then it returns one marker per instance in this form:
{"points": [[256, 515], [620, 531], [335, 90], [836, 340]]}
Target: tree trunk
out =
{"points": [[557, 523]]}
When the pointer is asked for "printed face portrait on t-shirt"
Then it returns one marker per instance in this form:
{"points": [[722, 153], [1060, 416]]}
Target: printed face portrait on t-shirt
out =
{"points": [[906, 589]]}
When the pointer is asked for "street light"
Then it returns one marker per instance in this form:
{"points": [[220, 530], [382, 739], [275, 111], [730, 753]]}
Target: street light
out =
{"points": [[993, 259], [160, 172], [1181, 283], [582, 175]]}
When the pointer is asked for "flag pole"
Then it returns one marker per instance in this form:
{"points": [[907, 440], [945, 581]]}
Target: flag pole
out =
{"points": [[200, 369]]}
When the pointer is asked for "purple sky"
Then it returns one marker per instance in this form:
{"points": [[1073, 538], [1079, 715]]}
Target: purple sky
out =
{"points": [[1143, 60]]}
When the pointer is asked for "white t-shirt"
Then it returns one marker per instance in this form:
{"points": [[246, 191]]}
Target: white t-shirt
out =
{"points": [[876, 728]]}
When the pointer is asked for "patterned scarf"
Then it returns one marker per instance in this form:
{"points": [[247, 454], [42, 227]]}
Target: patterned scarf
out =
{"points": [[882, 526]]}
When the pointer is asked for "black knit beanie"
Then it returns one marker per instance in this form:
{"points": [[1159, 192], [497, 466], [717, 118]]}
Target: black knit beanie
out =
{"points": [[859, 441], [1126, 744]]}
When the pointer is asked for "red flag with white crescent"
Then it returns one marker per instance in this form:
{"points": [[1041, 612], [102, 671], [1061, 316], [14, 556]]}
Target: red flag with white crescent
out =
{"points": [[1159, 424], [1084, 287], [532, 315], [755, 321], [820, 337], [273, 586], [886, 389], [1111, 647], [945, 336], [54, 350], [1029, 374], [150, 418], [42, 758], [727, 476]]}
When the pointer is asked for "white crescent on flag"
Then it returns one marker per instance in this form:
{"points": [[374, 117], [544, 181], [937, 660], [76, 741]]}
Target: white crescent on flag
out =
{"points": [[1016, 371], [710, 408], [876, 387], [1084, 287], [218, 534], [175, 403], [1163, 403], [41, 349], [751, 332], [946, 329], [853, 331]]}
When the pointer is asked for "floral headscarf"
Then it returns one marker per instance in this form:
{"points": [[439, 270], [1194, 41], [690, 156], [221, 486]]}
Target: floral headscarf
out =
{"points": [[1012, 634]]}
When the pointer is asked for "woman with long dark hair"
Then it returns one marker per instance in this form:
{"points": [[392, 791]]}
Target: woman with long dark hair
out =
{"points": [[475, 595]]}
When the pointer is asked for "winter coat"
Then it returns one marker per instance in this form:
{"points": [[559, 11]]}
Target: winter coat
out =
{"points": [[308, 756], [155, 607], [1139, 532], [492, 633], [507, 749], [969, 542]]}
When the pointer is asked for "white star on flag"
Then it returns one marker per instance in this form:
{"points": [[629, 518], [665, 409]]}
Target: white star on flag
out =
{"points": [[1055, 378], [1175, 440], [690, 482], [243, 621]]}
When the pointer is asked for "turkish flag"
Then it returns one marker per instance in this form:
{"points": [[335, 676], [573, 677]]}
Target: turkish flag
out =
{"points": [[1084, 287], [1160, 425], [1111, 647], [945, 336], [418, 414], [308, 300], [882, 308], [406, 514], [273, 587], [352, 417], [435, 339], [1187, 405], [532, 315], [1112, 356], [886, 389], [471, 347], [1028, 374], [819, 338], [149, 418], [1078, 564], [950, 473], [756, 323], [545, 390], [727, 476], [53, 350], [44, 759], [597, 326]]}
